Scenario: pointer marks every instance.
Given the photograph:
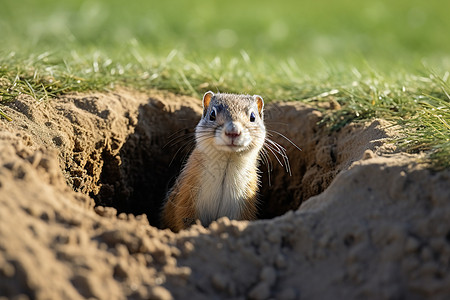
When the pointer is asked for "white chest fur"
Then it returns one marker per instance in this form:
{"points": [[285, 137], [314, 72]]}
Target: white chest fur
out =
{"points": [[224, 187]]}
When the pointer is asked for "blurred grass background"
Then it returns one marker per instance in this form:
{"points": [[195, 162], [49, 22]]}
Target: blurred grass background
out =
{"points": [[382, 58], [394, 30]]}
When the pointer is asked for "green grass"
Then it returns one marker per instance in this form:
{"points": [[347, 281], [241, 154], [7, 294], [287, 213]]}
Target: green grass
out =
{"points": [[387, 59]]}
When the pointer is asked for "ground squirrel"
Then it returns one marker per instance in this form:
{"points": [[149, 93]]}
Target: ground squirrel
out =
{"points": [[220, 177]]}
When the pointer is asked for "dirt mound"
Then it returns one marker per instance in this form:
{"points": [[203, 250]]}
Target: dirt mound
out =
{"points": [[82, 179]]}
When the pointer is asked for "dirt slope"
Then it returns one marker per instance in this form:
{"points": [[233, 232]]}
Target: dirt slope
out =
{"points": [[82, 179]]}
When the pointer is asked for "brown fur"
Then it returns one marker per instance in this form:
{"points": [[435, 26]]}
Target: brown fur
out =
{"points": [[179, 212]]}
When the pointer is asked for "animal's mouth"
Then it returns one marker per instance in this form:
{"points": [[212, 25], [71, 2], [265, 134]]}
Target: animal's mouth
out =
{"points": [[232, 147], [231, 144]]}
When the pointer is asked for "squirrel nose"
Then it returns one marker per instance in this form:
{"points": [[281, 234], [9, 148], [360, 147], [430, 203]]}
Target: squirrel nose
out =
{"points": [[232, 130]]}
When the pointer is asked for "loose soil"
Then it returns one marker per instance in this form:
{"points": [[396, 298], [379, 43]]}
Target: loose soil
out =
{"points": [[82, 179]]}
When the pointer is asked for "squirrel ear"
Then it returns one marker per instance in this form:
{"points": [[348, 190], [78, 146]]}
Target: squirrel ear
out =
{"points": [[207, 98], [260, 102]]}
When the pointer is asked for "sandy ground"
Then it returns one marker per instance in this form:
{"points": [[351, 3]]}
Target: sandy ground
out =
{"points": [[82, 179]]}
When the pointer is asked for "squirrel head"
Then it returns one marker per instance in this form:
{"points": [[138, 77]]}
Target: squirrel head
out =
{"points": [[236, 122]]}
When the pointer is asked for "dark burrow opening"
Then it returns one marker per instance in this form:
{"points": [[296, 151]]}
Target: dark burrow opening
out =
{"points": [[136, 181]]}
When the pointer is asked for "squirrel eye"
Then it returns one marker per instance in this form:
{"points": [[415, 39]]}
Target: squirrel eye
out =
{"points": [[212, 115], [252, 117]]}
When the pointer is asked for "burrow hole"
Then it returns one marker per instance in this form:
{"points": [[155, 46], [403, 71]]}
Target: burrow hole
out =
{"points": [[153, 155]]}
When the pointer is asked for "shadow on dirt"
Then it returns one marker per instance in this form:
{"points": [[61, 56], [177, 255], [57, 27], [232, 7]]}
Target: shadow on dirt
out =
{"points": [[149, 161]]}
